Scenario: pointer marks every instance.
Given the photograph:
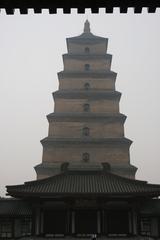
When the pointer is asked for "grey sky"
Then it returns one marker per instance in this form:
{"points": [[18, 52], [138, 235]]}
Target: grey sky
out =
{"points": [[31, 48]]}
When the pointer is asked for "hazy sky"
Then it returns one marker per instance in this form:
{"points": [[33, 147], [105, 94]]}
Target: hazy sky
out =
{"points": [[31, 48]]}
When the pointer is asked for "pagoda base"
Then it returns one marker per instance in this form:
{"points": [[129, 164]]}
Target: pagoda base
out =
{"points": [[45, 170]]}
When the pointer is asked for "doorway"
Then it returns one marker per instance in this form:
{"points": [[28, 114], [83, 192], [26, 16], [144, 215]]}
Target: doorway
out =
{"points": [[116, 223], [86, 221], [55, 222]]}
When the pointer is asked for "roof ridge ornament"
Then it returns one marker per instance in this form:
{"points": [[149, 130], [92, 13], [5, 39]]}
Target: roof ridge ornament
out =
{"points": [[87, 26]]}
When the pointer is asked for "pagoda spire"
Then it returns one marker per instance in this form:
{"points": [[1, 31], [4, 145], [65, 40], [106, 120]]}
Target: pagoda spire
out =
{"points": [[87, 26]]}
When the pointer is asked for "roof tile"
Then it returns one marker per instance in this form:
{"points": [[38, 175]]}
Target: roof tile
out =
{"points": [[83, 182]]}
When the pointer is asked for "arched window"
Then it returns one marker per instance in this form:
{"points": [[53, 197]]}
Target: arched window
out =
{"points": [[86, 107], [87, 50], [85, 131], [85, 157], [64, 166], [87, 86], [87, 67], [106, 166]]}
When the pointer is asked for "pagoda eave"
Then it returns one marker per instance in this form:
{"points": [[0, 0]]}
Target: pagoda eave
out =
{"points": [[92, 74], [79, 117], [87, 39], [89, 94], [87, 140], [87, 57]]}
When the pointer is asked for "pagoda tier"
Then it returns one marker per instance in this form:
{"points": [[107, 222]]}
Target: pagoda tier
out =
{"points": [[104, 80], [101, 125], [86, 126]]}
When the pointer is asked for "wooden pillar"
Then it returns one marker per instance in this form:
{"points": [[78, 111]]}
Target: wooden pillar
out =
{"points": [[68, 224], [154, 226], [36, 223], [103, 224], [73, 222], [135, 222], [98, 222], [130, 219], [17, 227], [12, 228], [42, 222], [33, 222]]}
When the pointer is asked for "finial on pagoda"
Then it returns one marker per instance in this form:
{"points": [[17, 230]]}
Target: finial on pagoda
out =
{"points": [[87, 26]]}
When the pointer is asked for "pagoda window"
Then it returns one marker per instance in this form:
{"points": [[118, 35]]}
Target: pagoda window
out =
{"points": [[87, 86], [106, 166], [86, 157], [87, 67], [87, 50], [85, 131], [86, 107], [64, 166]]}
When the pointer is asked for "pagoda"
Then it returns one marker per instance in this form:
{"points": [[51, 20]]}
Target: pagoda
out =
{"points": [[86, 129], [85, 184]]}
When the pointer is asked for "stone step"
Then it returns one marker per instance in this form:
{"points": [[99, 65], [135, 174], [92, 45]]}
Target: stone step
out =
{"points": [[88, 238]]}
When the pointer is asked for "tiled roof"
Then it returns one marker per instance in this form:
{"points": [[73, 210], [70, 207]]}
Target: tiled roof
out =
{"points": [[14, 207], [82, 183]]}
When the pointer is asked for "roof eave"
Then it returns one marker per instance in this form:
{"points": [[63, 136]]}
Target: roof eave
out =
{"points": [[83, 195]]}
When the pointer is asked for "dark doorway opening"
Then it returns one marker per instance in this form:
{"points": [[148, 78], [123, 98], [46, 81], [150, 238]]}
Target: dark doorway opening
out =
{"points": [[86, 222], [55, 222], [116, 222]]}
